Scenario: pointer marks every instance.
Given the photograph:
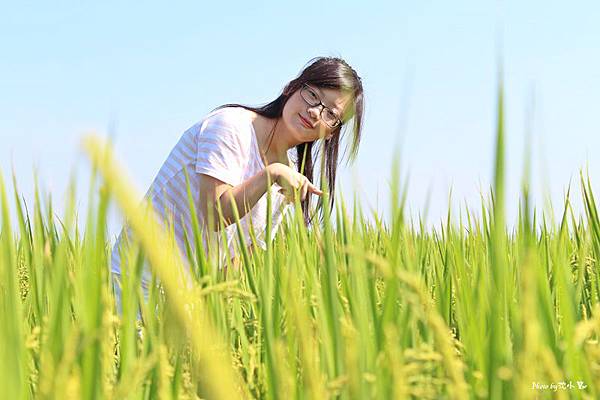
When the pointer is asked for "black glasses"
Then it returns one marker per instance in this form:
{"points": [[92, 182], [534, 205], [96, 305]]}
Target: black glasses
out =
{"points": [[311, 98]]}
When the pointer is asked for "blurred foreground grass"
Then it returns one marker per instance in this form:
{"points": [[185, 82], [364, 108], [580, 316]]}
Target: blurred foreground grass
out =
{"points": [[355, 308]]}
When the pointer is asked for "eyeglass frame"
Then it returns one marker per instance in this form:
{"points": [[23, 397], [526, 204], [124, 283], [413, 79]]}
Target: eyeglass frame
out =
{"points": [[319, 103]]}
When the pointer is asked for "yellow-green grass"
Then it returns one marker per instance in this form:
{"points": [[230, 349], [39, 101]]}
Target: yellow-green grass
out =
{"points": [[353, 308]]}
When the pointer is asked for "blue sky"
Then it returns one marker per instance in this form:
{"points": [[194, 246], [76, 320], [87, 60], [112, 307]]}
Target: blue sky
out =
{"points": [[430, 72]]}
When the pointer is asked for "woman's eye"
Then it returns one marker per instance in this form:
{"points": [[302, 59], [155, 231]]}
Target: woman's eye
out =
{"points": [[312, 95], [331, 115]]}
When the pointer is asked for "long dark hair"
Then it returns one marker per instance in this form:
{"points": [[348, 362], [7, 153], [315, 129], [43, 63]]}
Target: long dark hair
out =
{"points": [[329, 73]]}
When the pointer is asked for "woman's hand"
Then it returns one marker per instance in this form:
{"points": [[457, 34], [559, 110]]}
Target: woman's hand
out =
{"points": [[292, 182]]}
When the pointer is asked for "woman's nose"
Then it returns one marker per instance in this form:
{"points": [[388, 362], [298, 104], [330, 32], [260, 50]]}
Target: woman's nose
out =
{"points": [[314, 111]]}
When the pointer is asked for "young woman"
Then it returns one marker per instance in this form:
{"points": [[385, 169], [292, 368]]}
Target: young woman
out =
{"points": [[233, 154]]}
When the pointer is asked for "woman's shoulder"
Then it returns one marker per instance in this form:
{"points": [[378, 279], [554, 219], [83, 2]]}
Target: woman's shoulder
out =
{"points": [[230, 116], [229, 124]]}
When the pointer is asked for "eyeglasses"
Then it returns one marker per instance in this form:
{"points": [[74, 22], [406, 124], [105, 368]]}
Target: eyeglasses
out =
{"points": [[311, 98]]}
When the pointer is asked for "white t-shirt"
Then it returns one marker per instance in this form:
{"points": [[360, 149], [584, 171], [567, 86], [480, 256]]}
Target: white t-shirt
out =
{"points": [[224, 146]]}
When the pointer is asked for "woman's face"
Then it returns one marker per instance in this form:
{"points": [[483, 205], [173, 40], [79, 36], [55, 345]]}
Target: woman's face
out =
{"points": [[305, 122]]}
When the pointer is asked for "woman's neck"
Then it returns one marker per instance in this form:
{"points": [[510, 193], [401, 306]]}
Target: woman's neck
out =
{"points": [[271, 137]]}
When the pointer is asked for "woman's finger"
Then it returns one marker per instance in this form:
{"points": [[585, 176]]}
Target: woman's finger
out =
{"points": [[285, 193], [314, 190], [304, 190]]}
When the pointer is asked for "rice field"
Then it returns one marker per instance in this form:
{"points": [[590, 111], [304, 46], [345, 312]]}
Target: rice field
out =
{"points": [[355, 308]]}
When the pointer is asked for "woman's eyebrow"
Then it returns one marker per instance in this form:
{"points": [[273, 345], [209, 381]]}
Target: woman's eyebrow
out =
{"points": [[321, 96]]}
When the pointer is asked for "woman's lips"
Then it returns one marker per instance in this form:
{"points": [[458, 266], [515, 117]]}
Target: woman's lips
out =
{"points": [[305, 122]]}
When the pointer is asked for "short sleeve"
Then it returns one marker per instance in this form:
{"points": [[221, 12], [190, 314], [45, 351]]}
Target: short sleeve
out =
{"points": [[222, 147]]}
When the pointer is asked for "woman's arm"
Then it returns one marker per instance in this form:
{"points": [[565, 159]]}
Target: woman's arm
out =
{"points": [[215, 193]]}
